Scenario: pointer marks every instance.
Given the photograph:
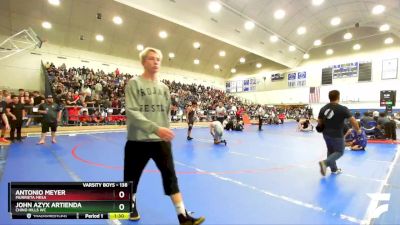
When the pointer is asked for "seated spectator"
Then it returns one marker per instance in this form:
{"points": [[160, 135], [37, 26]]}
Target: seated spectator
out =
{"points": [[375, 115], [357, 116], [387, 126], [396, 119], [366, 120], [85, 118], [84, 109], [97, 117], [282, 117]]}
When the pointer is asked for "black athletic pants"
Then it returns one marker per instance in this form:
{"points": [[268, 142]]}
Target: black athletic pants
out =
{"points": [[260, 121], [390, 130], [138, 153], [15, 125]]}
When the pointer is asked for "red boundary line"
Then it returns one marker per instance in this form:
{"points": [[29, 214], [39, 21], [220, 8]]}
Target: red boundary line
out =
{"points": [[251, 171], [383, 141]]}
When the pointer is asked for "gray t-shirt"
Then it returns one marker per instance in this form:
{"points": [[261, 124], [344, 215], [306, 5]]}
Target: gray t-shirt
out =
{"points": [[147, 108], [218, 129], [220, 111], [52, 111]]}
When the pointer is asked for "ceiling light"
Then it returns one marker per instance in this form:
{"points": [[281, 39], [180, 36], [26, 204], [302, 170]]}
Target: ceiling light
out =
{"points": [[139, 47], [306, 56], [335, 21], [171, 55], [196, 45], [273, 38], [54, 2], [222, 53], [163, 34], [388, 41], [378, 9], [279, 14], [356, 47], [384, 27], [317, 2], [117, 20], [258, 65], [249, 25], [214, 6], [242, 60], [317, 42], [292, 48], [301, 30], [216, 66], [233, 70], [46, 25], [329, 52], [347, 36], [196, 61], [99, 37]]}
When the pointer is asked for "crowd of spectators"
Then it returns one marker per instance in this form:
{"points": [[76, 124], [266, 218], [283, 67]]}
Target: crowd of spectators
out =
{"points": [[93, 97], [90, 97], [88, 93]]}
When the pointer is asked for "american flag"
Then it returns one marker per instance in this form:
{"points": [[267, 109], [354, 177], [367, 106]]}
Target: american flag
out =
{"points": [[314, 95]]}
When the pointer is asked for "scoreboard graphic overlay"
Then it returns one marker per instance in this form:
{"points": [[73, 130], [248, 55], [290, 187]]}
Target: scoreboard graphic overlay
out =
{"points": [[70, 200]]}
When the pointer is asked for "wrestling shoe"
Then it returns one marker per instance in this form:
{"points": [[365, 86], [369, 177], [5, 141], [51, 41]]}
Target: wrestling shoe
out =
{"points": [[338, 171], [322, 168], [189, 220], [134, 215]]}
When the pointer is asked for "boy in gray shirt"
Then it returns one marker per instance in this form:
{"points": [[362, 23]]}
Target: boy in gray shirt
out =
{"points": [[149, 136], [217, 130]]}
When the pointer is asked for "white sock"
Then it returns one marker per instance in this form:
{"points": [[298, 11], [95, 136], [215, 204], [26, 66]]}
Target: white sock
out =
{"points": [[133, 200], [180, 208]]}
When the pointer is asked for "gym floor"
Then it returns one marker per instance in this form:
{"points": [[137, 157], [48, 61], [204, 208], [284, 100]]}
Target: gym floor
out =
{"points": [[267, 177]]}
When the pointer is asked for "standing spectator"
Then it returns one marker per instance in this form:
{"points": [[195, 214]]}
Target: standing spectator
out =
{"points": [[332, 117], [15, 113], [239, 113], [98, 88], [149, 136], [51, 115], [21, 95], [28, 103], [260, 114], [4, 125], [190, 115], [116, 105], [37, 100], [220, 112], [233, 109], [6, 99]]}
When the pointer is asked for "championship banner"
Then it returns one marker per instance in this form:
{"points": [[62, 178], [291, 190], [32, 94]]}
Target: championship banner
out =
{"points": [[301, 79], [345, 70], [292, 79]]}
